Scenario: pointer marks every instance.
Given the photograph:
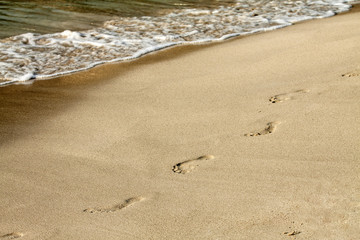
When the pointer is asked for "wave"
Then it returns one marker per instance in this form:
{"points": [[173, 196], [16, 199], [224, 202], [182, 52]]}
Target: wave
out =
{"points": [[32, 56]]}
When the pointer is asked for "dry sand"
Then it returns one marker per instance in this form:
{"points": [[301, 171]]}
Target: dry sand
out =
{"points": [[254, 138]]}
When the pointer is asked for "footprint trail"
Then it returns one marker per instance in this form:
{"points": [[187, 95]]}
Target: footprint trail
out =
{"points": [[117, 207], [189, 165]]}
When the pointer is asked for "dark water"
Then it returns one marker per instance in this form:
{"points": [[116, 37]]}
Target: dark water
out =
{"points": [[39, 16]]}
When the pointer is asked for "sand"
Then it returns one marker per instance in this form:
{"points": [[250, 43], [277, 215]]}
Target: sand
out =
{"points": [[253, 138]]}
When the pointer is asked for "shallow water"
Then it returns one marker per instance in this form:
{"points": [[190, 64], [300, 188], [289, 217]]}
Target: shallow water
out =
{"points": [[138, 27]]}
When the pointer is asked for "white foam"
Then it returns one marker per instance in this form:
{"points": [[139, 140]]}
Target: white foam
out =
{"points": [[29, 56], [26, 77]]}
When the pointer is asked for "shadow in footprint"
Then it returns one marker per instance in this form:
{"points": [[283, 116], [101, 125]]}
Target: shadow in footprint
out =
{"points": [[189, 165], [287, 96], [117, 207], [292, 233], [12, 235], [271, 127]]}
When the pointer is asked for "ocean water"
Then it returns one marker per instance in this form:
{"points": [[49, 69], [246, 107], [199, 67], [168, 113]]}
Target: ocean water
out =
{"points": [[44, 39], [22, 16]]}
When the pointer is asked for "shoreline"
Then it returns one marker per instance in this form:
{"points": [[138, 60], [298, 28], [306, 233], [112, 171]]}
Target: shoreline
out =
{"points": [[254, 137], [31, 77], [96, 75]]}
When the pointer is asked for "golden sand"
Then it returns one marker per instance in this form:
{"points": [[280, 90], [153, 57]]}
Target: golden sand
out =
{"points": [[96, 155]]}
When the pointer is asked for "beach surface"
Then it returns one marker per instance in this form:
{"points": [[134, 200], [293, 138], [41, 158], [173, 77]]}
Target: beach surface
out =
{"points": [[254, 138]]}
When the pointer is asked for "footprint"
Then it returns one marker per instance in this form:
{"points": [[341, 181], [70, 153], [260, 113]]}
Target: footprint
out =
{"points": [[286, 96], [12, 235], [271, 127], [117, 207], [355, 73], [189, 165]]}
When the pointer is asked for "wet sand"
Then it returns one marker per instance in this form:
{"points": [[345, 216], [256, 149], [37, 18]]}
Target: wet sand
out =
{"points": [[254, 138]]}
